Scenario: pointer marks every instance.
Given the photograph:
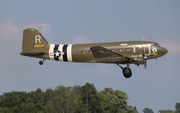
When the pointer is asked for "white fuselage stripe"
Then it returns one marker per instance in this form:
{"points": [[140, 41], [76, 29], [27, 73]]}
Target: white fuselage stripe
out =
{"points": [[52, 54], [69, 53]]}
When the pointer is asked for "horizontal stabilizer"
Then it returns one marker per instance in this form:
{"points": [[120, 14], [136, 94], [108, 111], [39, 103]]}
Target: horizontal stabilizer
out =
{"points": [[32, 53]]}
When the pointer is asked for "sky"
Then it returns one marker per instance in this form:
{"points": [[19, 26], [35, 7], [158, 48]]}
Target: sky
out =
{"points": [[83, 21]]}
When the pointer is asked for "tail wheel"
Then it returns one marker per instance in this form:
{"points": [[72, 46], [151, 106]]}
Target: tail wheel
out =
{"points": [[127, 72], [40, 62]]}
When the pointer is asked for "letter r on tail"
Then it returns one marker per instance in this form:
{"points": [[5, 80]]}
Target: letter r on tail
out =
{"points": [[37, 39]]}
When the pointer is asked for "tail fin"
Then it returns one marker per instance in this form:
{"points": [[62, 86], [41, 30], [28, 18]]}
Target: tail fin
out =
{"points": [[32, 40]]}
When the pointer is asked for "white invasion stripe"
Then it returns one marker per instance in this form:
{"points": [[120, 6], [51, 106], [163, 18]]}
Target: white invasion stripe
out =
{"points": [[60, 48], [51, 52], [69, 52]]}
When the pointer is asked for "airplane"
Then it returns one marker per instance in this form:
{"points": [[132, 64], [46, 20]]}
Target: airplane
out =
{"points": [[126, 52]]}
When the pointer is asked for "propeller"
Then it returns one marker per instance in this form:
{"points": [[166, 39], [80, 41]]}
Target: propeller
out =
{"points": [[156, 61], [144, 57], [145, 63]]}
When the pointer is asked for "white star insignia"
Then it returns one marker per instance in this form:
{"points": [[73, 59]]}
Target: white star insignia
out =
{"points": [[57, 54]]}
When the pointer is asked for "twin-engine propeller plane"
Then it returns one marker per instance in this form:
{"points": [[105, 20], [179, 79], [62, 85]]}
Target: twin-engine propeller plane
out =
{"points": [[128, 52]]}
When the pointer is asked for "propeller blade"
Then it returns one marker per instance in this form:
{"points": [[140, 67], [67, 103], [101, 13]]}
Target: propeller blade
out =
{"points": [[145, 64], [156, 61]]}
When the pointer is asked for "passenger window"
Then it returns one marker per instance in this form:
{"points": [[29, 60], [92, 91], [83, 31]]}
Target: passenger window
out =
{"points": [[120, 50], [82, 52], [127, 49]]}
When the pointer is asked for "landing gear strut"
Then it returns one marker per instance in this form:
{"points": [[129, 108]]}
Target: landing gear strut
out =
{"points": [[126, 71], [41, 62]]}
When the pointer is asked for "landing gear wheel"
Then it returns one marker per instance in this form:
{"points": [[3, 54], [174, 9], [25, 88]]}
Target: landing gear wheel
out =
{"points": [[40, 62], [127, 72]]}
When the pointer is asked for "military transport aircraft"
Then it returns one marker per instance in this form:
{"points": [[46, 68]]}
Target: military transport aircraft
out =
{"points": [[128, 52]]}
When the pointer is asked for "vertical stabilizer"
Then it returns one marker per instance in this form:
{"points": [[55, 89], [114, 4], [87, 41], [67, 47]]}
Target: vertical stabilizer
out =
{"points": [[33, 40]]}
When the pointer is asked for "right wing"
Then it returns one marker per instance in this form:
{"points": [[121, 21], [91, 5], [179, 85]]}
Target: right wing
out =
{"points": [[104, 55]]}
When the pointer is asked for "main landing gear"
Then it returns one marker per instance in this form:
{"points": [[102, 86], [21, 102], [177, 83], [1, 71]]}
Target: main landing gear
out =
{"points": [[126, 71], [41, 62]]}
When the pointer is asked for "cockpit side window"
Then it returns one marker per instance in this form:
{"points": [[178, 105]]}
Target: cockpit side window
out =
{"points": [[153, 47], [156, 45]]}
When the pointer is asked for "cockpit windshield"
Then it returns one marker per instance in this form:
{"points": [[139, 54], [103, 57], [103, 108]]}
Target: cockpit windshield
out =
{"points": [[156, 45]]}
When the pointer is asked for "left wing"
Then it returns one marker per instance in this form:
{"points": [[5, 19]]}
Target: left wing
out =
{"points": [[104, 55]]}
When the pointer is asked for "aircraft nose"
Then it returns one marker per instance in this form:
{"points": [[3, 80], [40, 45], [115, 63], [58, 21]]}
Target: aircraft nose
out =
{"points": [[163, 51]]}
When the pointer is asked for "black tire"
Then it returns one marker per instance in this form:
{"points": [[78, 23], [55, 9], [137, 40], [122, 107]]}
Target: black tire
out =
{"points": [[127, 72], [40, 62]]}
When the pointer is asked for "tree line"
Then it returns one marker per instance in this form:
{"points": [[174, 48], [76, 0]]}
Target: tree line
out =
{"points": [[75, 99]]}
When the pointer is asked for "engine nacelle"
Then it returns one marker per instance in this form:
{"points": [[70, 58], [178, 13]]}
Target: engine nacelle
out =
{"points": [[138, 61]]}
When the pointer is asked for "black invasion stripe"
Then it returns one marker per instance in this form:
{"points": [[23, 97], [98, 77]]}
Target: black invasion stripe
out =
{"points": [[56, 49], [65, 53]]}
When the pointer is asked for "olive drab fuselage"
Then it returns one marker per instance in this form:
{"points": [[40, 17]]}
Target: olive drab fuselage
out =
{"points": [[82, 53]]}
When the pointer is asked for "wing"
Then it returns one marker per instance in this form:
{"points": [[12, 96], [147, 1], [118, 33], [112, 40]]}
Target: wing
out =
{"points": [[104, 55]]}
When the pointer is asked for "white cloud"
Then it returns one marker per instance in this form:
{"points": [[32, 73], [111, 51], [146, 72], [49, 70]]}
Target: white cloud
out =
{"points": [[42, 27], [173, 45], [8, 30], [81, 39]]}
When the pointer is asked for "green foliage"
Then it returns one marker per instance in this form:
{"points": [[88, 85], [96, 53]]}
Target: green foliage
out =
{"points": [[177, 106], [5, 110], [115, 101], [148, 110], [90, 100], [136, 111], [12, 99], [76, 99]]}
